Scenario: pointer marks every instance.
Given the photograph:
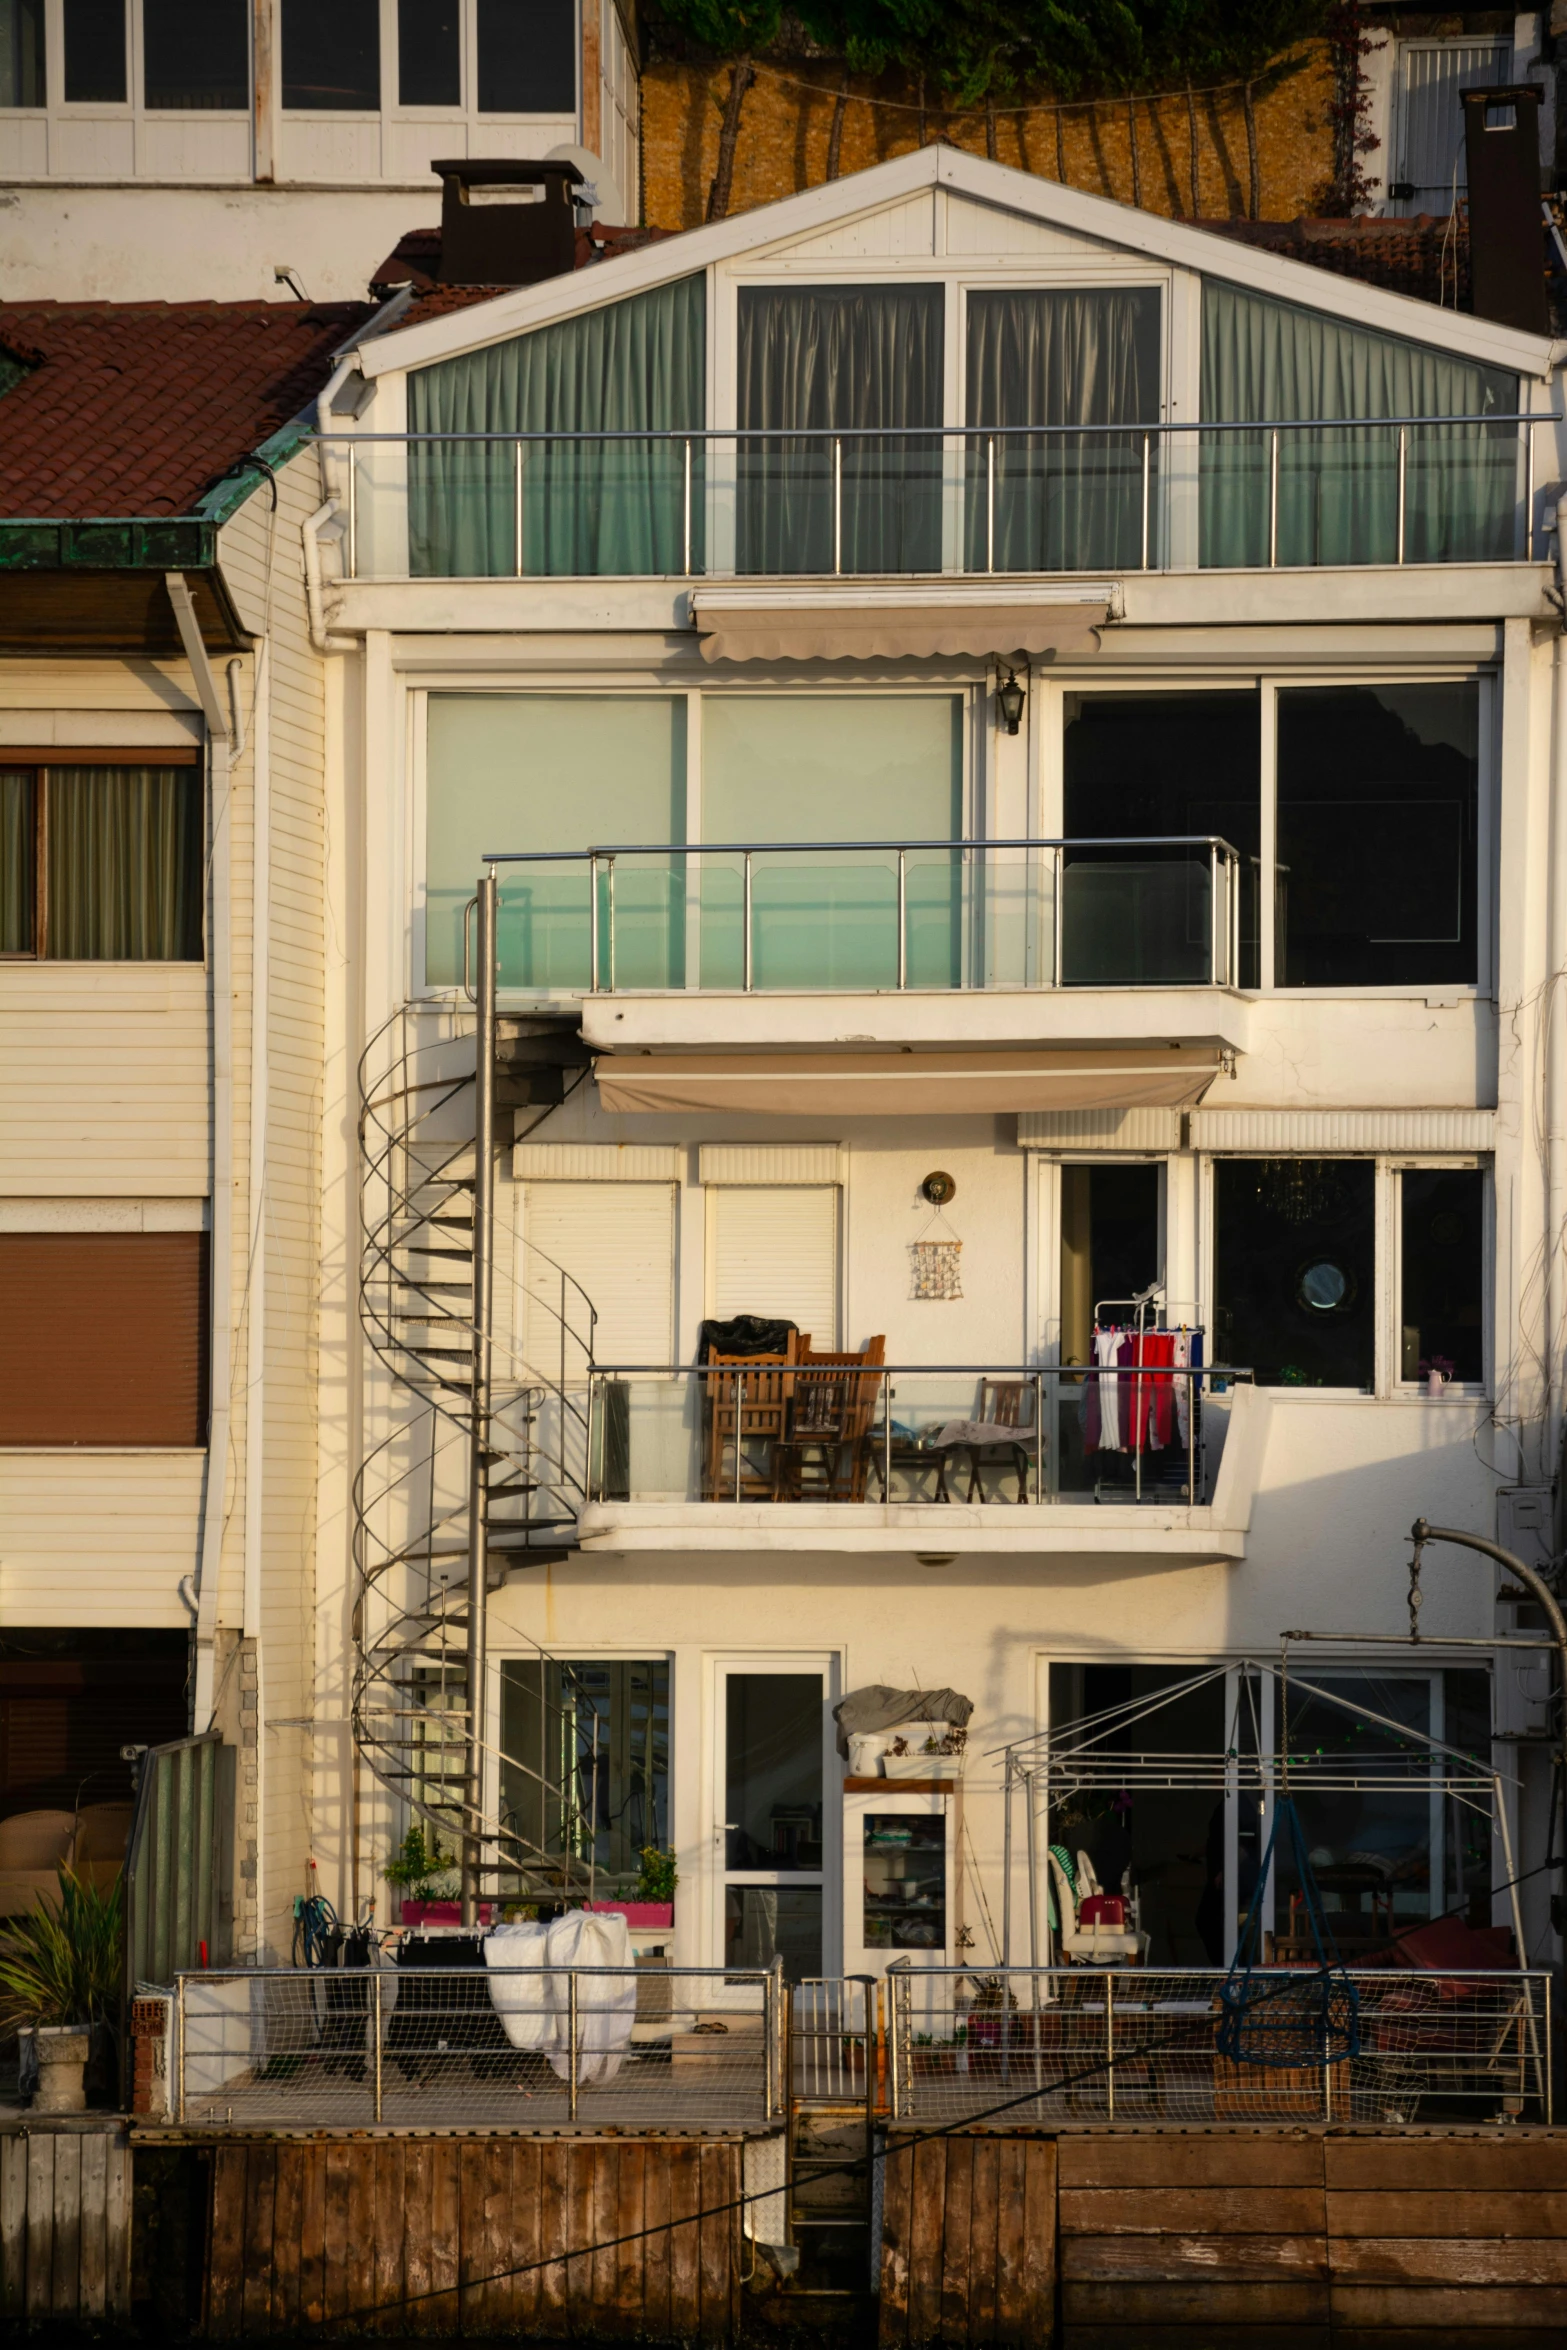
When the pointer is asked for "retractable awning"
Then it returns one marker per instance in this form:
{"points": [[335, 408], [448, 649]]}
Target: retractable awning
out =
{"points": [[909, 1084], [842, 623]]}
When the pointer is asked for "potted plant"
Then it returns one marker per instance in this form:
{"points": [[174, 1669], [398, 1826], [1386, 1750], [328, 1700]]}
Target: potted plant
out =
{"points": [[653, 1903], [937, 1756], [60, 1979], [422, 1869]]}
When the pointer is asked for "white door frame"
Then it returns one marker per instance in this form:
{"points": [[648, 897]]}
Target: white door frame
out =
{"points": [[717, 1668]]}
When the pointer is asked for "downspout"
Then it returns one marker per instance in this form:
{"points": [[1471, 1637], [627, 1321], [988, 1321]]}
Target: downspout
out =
{"points": [[256, 1254], [1555, 1074], [221, 1322], [310, 535]]}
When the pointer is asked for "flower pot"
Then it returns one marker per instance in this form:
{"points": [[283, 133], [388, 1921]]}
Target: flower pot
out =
{"points": [[62, 2066], [443, 1913], [922, 1766]]}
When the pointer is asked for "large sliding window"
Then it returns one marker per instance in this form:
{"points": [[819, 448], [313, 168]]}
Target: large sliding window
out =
{"points": [[1065, 500], [556, 508], [557, 772], [584, 1767], [847, 365], [1341, 489]]}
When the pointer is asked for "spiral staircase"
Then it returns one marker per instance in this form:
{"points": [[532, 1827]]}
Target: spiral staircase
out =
{"points": [[532, 1814]]}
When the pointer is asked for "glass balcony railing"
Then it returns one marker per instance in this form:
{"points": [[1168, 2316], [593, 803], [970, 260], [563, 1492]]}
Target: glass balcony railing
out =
{"points": [[848, 916], [840, 1430], [957, 501]]}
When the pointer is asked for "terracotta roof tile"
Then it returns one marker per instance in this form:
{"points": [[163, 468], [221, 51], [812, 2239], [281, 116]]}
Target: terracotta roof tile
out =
{"points": [[141, 407]]}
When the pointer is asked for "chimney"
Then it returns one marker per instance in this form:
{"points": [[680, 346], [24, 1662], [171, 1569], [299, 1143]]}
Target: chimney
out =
{"points": [[1506, 238], [507, 244]]}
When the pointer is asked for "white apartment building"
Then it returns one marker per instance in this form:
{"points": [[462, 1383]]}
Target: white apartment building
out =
{"points": [[1026, 824], [193, 149]]}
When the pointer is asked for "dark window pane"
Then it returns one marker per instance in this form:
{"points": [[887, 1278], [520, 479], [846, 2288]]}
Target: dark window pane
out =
{"points": [[17, 802], [1158, 766], [1444, 1254], [1378, 818], [527, 57], [764, 1922], [332, 56], [429, 53], [773, 1778], [124, 864], [22, 53], [599, 1733], [1295, 1270], [95, 52], [197, 53]]}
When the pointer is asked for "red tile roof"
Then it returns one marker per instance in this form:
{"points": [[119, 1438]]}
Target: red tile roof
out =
{"points": [[141, 407], [415, 260]]}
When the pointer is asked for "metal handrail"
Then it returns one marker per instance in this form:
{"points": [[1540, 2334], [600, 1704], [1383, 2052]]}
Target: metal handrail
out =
{"points": [[756, 848], [928, 432]]}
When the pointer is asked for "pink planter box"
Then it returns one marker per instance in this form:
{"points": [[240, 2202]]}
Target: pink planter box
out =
{"points": [[443, 1913], [639, 1913]]}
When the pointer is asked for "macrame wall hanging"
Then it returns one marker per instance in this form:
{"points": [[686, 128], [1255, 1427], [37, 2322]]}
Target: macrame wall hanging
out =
{"points": [[936, 1265]]}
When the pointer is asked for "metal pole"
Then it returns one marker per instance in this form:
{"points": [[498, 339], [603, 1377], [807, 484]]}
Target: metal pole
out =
{"points": [[516, 492], [179, 2048], [1006, 1863], [571, 2034], [739, 1415], [593, 922], [837, 505], [686, 492], [1032, 1856], [746, 947], [1403, 466], [353, 515], [375, 2027], [479, 1417], [1059, 862], [1273, 500], [1110, 2040], [1147, 446], [990, 503], [894, 2036], [1528, 493], [903, 917], [886, 1438], [1550, 2083], [1213, 915], [610, 909]]}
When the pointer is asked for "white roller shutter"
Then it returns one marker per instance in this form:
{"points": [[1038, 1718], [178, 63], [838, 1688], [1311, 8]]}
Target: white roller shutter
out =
{"points": [[618, 1241], [773, 1250]]}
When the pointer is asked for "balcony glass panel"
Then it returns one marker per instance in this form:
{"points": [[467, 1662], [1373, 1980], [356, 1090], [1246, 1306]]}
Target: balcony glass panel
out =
{"points": [[1339, 497], [1135, 918], [845, 361], [1062, 501]]}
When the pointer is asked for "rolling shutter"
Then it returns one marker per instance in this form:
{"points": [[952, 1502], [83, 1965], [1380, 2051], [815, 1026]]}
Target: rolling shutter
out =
{"points": [[618, 1241], [773, 1250], [103, 1338]]}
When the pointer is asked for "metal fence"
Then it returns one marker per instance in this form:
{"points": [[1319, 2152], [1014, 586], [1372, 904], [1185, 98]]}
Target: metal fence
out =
{"points": [[1107, 2044], [430, 2047]]}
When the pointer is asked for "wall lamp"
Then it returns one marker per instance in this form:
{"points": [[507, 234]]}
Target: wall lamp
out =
{"points": [[1010, 697]]}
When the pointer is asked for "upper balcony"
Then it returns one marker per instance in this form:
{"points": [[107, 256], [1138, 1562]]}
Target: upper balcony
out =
{"points": [[972, 502]]}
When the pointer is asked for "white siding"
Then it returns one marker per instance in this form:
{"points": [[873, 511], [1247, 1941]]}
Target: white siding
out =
{"points": [[774, 1251], [103, 1071], [98, 1538], [618, 1241]]}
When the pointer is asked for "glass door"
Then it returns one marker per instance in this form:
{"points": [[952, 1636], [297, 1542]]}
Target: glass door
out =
{"points": [[769, 1830]]}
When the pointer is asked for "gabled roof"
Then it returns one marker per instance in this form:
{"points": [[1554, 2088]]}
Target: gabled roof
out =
{"points": [[773, 227], [143, 408]]}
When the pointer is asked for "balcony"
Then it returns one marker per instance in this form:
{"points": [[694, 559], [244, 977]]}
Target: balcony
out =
{"points": [[837, 1453], [976, 502]]}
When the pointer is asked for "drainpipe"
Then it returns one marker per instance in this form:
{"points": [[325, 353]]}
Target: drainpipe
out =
{"points": [[310, 535], [221, 1311], [1555, 1074]]}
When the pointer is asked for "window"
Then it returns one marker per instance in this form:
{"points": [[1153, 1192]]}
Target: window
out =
{"points": [[1295, 1270], [196, 54], [1159, 765], [101, 864], [22, 53], [1063, 502], [95, 72], [850, 360], [1111, 1251], [608, 1725], [429, 53], [527, 56], [332, 56], [832, 767], [542, 771], [617, 1240], [70, 1704], [773, 1250], [1378, 821], [1442, 1220], [103, 1338]]}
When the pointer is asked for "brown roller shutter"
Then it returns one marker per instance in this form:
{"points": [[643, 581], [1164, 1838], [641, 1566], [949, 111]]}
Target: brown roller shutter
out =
{"points": [[103, 1338]]}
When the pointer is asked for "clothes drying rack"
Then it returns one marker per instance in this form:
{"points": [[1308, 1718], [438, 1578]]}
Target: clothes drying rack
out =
{"points": [[1150, 1310]]}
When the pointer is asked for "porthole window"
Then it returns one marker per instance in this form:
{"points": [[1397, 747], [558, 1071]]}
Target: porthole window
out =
{"points": [[1324, 1286]]}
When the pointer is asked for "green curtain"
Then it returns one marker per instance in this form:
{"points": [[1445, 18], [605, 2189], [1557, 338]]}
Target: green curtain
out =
{"points": [[124, 864], [1338, 491], [1061, 503], [589, 510], [850, 360], [16, 862]]}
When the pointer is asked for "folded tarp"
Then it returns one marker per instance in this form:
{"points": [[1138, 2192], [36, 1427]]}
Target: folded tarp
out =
{"points": [[535, 2009], [876, 1707]]}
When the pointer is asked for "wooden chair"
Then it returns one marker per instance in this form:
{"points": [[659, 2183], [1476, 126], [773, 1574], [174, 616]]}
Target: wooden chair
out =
{"points": [[1002, 1405], [831, 1423], [748, 1400]]}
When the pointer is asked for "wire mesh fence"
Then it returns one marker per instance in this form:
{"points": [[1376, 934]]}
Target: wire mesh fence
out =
{"points": [[1108, 2044], [475, 2046]]}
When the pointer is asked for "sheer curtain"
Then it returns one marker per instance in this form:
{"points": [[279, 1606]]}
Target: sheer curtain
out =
{"points": [[1338, 490], [848, 360], [124, 860], [593, 509], [1062, 502], [16, 861]]}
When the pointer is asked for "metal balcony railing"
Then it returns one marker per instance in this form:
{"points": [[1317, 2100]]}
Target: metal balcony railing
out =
{"points": [[755, 916], [841, 1429], [962, 500]]}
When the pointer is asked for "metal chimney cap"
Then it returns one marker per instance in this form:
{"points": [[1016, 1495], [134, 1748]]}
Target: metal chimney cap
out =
{"points": [[507, 171]]}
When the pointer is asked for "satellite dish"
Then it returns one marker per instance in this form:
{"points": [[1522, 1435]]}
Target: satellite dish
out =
{"points": [[608, 203]]}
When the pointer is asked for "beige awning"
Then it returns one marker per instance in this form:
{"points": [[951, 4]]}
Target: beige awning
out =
{"points": [[890, 1085], [842, 631]]}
